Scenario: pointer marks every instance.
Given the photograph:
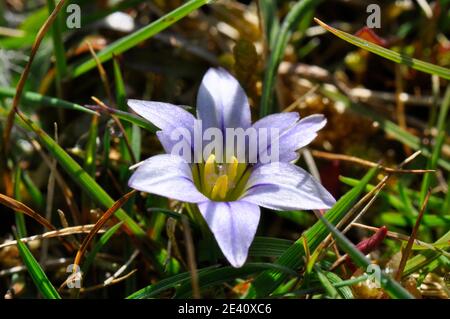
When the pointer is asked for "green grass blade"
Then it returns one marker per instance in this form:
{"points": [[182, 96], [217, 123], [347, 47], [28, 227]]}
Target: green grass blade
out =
{"points": [[341, 285], [268, 12], [91, 148], [290, 22], [327, 285], [33, 190], [168, 283], [388, 126], [98, 246], [58, 47], [268, 281], [139, 36], [436, 152], [225, 274], [20, 218], [37, 274], [84, 180], [388, 54], [42, 100], [393, 288], [424, 257]]}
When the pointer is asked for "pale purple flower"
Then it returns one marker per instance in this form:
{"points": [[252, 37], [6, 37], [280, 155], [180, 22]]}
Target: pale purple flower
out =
{"points": [[229, 195]]}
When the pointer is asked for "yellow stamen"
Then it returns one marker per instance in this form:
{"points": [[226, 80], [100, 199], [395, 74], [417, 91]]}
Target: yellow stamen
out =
{"points": [[209, 173], [220, 189], [232, 169]]}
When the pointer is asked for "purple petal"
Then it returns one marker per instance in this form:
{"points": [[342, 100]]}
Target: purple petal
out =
{"points": [[165, 116], [234, 226], [284, 186], [293, 135], [300, 135], [221, 101], [166, 175], [281, 121]]}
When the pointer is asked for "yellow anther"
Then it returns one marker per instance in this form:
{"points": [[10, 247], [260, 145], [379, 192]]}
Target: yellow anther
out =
{"points": [[220, 188], [209, 173], [232, 169]]}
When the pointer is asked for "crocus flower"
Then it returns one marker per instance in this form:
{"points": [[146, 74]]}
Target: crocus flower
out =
{"points": [[229, 195]]}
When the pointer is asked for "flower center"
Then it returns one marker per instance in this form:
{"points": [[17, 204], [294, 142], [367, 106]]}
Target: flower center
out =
{"points": [[221, 181]]}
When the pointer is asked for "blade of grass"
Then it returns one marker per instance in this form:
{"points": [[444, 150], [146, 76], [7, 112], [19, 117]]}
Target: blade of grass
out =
{"points": [[327, 285], [99, 224], [393, 288], [167, 283], [139, 36], [84, 180], [290, 22], [407, 251], [19, 207], [268, 281], [424, 257], [440, 139], [33, 190], [104, 239], [37, 274], [388, 54], [270, 23], [225, 274], [42, 100], [388, 126], [24, 75], [58, 48], [20, 218]]}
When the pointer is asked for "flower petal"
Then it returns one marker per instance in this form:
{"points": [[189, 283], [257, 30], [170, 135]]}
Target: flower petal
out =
{"points": [[284, 186], [293, 134], [221, 101], [300, 135], [166, 175], [165, 116], [234, 226], [281, 121]]}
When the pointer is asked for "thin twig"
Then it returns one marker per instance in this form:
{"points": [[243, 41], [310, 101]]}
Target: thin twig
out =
{"points": [[191, 257], [100, 224], [407, 250], [54, 233], [50, 195], [357, 160], [23, 77], [102, 73], [119, 125], [68, 195], [121, 269]]}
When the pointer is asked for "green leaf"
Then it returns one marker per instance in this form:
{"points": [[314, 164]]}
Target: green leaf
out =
{"points": [[168, 283], [424, 257], [388, 54], [269, 280], [298, 11], [20, 218], [84, 180], [225, 274], [436, 152], [139, 36], [327, 285], [37, 274], [58, 46], [104, 239], [41, 100], [269, 247], [392, 287], [269, 17], [389, 127]]}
